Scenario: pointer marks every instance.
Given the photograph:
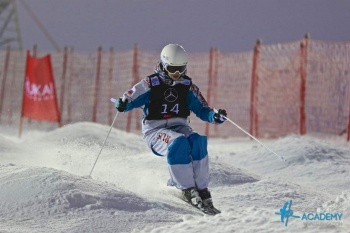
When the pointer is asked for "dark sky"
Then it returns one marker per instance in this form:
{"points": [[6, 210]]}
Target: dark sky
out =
{"points": [[230, 25]]}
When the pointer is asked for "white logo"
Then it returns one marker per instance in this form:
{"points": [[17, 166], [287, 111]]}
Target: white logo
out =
{"points": [[39, 92], [171, 95]]}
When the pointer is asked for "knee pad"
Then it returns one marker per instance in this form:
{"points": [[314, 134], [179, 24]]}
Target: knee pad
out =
{"points": [[198, 145], [179, 151]]}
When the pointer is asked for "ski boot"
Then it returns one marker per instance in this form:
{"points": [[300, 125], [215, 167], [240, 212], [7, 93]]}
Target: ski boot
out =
{"points": [[191, 196], [207, 202], [206, 197]]}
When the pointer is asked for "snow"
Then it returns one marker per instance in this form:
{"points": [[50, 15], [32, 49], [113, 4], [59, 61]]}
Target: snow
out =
{"points": [[45, 185]]}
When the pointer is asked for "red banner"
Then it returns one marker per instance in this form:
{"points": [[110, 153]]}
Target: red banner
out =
{"points": [[39, 97]]}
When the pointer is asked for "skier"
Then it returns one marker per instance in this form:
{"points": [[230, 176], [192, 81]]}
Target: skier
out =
{"points": [[168, 96]]}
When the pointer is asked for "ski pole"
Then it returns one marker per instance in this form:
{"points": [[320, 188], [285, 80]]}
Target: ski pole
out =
{"points": [[110, 129], [281, 157]]}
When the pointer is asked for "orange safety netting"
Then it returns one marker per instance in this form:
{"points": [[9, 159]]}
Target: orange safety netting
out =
{"points": [[275, 90]]}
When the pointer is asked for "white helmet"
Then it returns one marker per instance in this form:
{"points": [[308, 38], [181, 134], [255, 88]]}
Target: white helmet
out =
{"points": [[174, 58]]}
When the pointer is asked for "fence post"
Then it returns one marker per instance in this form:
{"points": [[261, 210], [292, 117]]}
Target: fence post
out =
{"points": [[69, 85], [35, 50], [63, 80], [215, 81], [110, 78], [210, 78], [136, 80], [303, 72], [35, 54], [135, 75], [14, 81], [253, 127], [97, 83], [4, 77]]}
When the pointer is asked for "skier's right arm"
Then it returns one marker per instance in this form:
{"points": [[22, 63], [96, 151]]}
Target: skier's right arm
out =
{"points": [[136, 97]]}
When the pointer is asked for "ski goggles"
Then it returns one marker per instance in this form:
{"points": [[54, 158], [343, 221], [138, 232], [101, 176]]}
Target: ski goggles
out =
{"points": [[174, 69]]}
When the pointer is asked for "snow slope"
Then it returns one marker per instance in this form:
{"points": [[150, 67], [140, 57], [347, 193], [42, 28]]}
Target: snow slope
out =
{"points": [[45, 185]]}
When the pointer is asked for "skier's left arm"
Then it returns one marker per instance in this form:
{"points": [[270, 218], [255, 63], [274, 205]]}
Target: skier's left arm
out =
{"points": [[199, 106]]}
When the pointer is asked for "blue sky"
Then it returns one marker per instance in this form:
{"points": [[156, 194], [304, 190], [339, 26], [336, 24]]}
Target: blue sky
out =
{"points": [[230, 25]]}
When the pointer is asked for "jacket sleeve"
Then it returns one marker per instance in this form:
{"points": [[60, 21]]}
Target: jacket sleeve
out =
{"points": [[138, 95], [198, 105]]}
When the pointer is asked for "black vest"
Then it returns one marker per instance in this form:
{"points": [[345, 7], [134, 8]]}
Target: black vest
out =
{"points": [[167, 101]]}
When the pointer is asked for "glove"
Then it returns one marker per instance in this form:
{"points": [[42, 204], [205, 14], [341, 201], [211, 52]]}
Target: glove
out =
{"points": [[218, 116], [120, 105]]}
